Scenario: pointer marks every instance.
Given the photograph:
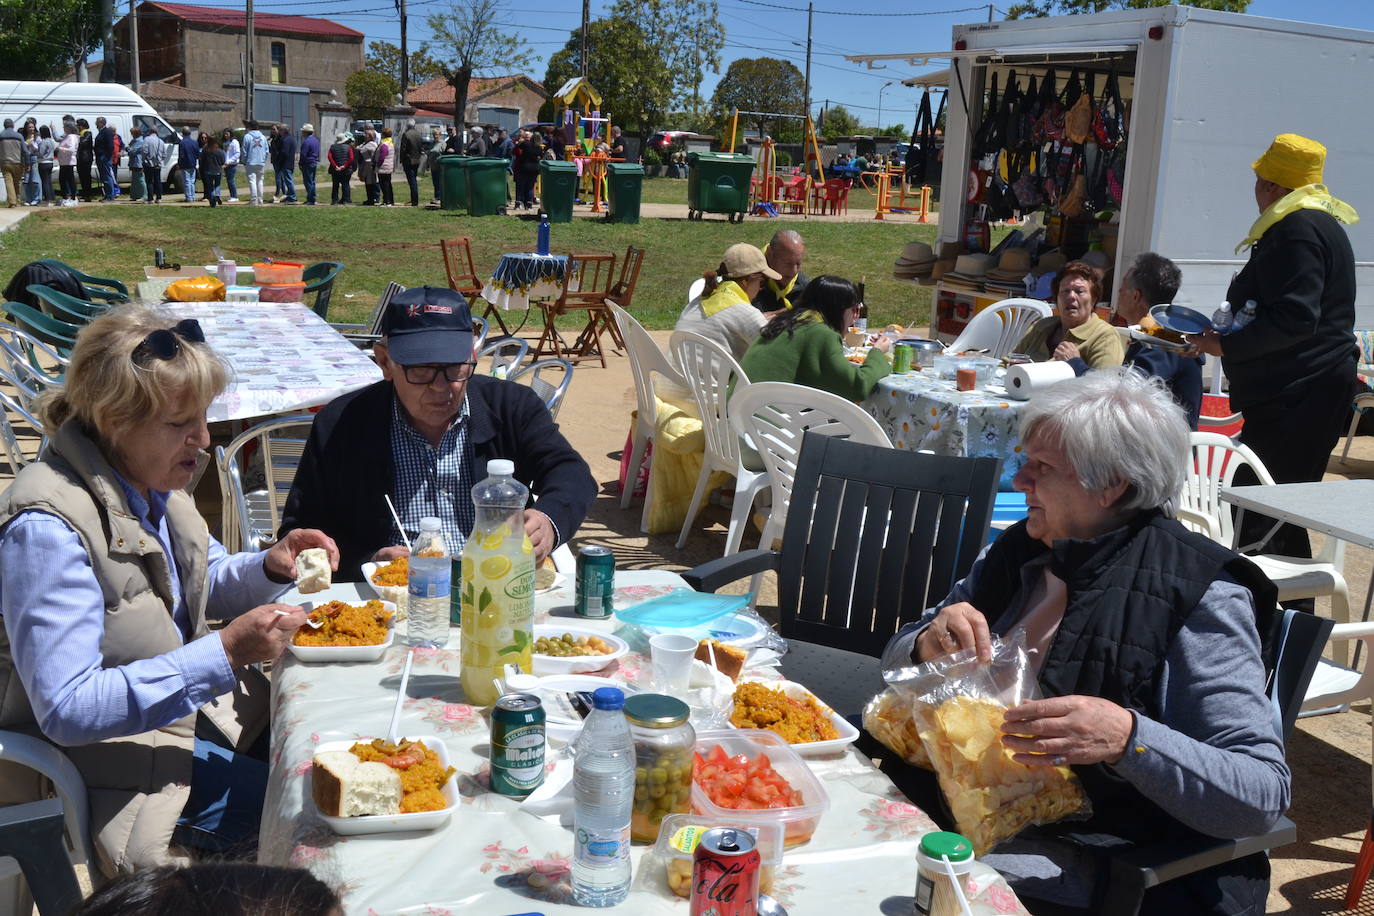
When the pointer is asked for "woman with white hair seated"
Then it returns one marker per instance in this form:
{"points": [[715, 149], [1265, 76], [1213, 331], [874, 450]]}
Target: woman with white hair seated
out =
{"points": [[1148, 641]]}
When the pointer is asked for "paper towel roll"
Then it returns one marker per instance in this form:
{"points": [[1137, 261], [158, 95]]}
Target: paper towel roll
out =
{"points": [[1025, 379]]}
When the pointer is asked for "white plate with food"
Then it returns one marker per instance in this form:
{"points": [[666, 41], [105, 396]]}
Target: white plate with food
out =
{"points": [[341, 630], [339, 784], [846, 733], [1136, 333], [396, 594], [576, 650]]}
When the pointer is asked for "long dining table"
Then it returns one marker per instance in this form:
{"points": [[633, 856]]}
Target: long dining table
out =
{"points": [[495, 857]]}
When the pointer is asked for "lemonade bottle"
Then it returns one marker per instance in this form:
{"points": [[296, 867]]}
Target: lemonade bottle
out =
{"points": [[498, 585]]}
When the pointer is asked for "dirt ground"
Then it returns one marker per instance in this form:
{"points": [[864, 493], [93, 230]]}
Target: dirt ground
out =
{"points": [[1329, 755]]}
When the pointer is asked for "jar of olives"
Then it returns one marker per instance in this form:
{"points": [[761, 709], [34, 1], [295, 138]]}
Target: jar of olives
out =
{"points": [[664, 741]]}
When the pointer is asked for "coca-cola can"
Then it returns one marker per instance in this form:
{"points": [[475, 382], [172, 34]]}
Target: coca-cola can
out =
{"points": [[725, 874]]}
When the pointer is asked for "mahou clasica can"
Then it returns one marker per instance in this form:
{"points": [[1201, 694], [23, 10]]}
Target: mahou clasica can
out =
{"points": [[517, 745], [595, 587], [725, 873]]}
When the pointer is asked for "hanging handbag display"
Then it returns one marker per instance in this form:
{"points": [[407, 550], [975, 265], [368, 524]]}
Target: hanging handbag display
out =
{"points": [[1078, 120]]}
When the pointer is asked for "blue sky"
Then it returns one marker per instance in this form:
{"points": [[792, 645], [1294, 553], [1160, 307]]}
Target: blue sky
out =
{"points": [[777, 28]]}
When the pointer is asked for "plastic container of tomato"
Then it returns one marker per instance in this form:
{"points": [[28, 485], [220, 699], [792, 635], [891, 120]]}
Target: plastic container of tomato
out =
{"points": [[277, 272], [282, 292], [799, 822]]}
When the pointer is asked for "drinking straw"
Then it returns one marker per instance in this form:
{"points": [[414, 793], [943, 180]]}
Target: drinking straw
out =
{"points": [[400, 698], [397, 519]]}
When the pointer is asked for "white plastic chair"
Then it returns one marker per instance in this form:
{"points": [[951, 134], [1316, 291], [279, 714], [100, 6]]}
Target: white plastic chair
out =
{"points": [[505, 354], [696, 289], [29, 358], [53, 765], [249, 520], [774, 415], [998, 327], [551, 393], [1215, 460], [1363, 401], [710, 372], [646, 359]]}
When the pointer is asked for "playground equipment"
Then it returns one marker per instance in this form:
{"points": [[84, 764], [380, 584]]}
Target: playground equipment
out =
{"points": [[883, 203], [795, 195]]}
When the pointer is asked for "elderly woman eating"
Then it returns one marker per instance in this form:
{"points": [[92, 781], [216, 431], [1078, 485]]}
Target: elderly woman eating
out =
{"points": [[107, 576], [1146, 640], [1076, 332]]}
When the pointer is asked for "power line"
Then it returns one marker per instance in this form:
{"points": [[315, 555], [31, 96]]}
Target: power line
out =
{"points": [[793, 9]]}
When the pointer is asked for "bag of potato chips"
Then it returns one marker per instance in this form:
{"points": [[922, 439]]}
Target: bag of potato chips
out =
{"points": [[958, 710], [195, 289]]}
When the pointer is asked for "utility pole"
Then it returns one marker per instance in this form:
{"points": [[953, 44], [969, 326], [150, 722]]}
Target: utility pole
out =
{"points": [[248, 66], [586, 21], [405, 54], [133, 45], [990, 9], [806, 110]]}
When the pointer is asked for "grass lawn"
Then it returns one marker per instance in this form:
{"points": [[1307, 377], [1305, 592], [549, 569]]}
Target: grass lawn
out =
{"points": [[401, 244]]}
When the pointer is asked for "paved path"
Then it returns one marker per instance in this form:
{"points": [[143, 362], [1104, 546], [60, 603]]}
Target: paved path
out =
{"points": [[10, 217]]}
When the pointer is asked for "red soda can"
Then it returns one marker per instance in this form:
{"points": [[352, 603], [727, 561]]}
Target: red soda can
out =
{"points": [[725, 874]]}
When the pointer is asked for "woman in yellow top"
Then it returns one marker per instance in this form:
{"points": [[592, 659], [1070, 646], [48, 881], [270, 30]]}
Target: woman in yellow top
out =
{"points": [[1075, 332], [724, 312]]}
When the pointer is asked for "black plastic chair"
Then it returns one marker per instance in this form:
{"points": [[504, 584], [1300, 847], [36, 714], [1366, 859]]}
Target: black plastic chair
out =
{"points": [[1136, 869], [873, 537]]}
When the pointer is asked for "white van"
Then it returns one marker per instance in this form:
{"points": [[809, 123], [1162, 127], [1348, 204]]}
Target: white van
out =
{"points": [[120, 106]]}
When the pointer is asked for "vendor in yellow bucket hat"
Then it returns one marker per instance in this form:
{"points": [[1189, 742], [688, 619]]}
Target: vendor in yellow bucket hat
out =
{"points": [[1291, 355]]}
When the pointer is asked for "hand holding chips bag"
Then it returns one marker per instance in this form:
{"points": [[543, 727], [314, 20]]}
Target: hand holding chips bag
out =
{"points": [[958, 711]]}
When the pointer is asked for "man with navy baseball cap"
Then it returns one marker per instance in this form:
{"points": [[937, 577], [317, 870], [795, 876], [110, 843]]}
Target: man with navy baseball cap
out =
{"points": [[423, 436]]}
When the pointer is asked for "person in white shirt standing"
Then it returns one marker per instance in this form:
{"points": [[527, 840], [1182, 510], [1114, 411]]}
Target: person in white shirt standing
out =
{"points": [[232, 153], [253, 155]]}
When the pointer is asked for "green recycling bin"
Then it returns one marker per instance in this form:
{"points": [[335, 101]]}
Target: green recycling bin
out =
{"points": [[718, 183], [486, 187], [453, 182], [557, 188], [627, 186]]}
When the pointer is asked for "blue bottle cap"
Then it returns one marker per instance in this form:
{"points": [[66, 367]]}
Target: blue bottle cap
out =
{"points": [[608, 698]]}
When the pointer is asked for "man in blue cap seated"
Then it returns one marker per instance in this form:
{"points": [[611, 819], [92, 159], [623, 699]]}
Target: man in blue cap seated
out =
{"points": [[423, 435]]}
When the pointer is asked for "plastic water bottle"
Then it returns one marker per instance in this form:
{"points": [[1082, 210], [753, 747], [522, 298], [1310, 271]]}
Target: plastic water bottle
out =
{"points": [[603, 796], [543, 246], [497, 600], [429, 585], [1221, 318], [1246, 315]]}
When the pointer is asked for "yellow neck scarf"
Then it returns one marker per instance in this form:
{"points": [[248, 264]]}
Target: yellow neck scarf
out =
{"points": [[1308, 197], [726, 294], [782, 292]]}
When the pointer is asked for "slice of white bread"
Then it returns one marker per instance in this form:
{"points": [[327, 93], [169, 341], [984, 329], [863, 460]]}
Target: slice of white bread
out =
{"points": [[728, 660], [312, 570], [344, 786]]}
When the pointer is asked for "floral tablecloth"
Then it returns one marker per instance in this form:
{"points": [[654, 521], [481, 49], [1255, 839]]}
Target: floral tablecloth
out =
{"points": [[920, 411], [522, 276], [282, 357], [861, 858]]}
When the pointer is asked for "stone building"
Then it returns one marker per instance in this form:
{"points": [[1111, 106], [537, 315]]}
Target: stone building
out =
{"points": [[300, 62], [505, 101]]}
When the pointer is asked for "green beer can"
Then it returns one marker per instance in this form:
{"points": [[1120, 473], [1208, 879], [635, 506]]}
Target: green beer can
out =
{"points": [[517, 745], [901, 358]]}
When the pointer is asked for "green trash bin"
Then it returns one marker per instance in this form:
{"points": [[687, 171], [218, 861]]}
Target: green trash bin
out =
{"points": [[718, 183], [627, 186], [486, 187], [557, 189], [453, 182]]}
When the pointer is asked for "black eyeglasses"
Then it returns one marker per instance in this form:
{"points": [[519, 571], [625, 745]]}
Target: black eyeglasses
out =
{"points": [[425, 375], [165, 344]]}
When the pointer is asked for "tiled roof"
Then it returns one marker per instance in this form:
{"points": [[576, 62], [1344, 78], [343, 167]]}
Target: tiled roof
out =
{"points": [[267, 22], [170, 92], [438, 91]]}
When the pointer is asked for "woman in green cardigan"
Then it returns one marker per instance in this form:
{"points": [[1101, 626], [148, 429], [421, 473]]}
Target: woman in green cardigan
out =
{"points": [[804, 345]]}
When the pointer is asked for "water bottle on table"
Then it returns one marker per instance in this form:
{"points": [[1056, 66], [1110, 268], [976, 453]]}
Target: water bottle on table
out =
{"points": [[543, 238], [429, 587], [603, 801]]}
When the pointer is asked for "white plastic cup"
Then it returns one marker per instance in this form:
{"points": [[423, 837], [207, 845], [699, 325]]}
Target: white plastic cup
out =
{"points": [[671, 655]]}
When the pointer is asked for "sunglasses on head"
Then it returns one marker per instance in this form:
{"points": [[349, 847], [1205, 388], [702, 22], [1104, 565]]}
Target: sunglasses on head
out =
{"points": [[166, 343]]}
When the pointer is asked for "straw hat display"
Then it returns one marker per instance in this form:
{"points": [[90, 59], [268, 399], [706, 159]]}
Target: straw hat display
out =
{"points": [[969, 271], [1010, 273], [949, 253], [916, 260], [1051, 262]]}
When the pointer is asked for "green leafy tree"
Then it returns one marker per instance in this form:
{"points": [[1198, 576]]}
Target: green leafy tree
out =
{"points": [[385, 57], [686, 34], [470, 39], [370, 93], [632, 77], [839, 122], [1030, 9], [43, 39], [763, 84]]}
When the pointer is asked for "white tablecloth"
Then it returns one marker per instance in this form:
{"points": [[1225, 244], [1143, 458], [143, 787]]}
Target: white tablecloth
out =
{"points": [[282, 356], [862, 854]]}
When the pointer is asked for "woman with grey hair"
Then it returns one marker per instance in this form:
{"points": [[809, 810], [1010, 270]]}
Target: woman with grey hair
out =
{"points": [[1148, 642]]}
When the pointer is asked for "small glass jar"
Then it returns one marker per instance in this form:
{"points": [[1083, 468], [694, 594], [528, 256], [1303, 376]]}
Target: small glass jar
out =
{"points": [[664, 741]]}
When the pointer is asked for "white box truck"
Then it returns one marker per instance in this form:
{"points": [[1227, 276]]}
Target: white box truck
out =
{"points": [[120, 106], [1208, 91]]}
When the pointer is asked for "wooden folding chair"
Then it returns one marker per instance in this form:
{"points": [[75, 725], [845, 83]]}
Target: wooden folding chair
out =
{"points": [[586, 285], [462, 277], [599, 318]]}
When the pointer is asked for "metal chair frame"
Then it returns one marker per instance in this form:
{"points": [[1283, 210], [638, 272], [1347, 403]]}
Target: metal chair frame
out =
{"points": [[249, 520], [550, 393]]}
